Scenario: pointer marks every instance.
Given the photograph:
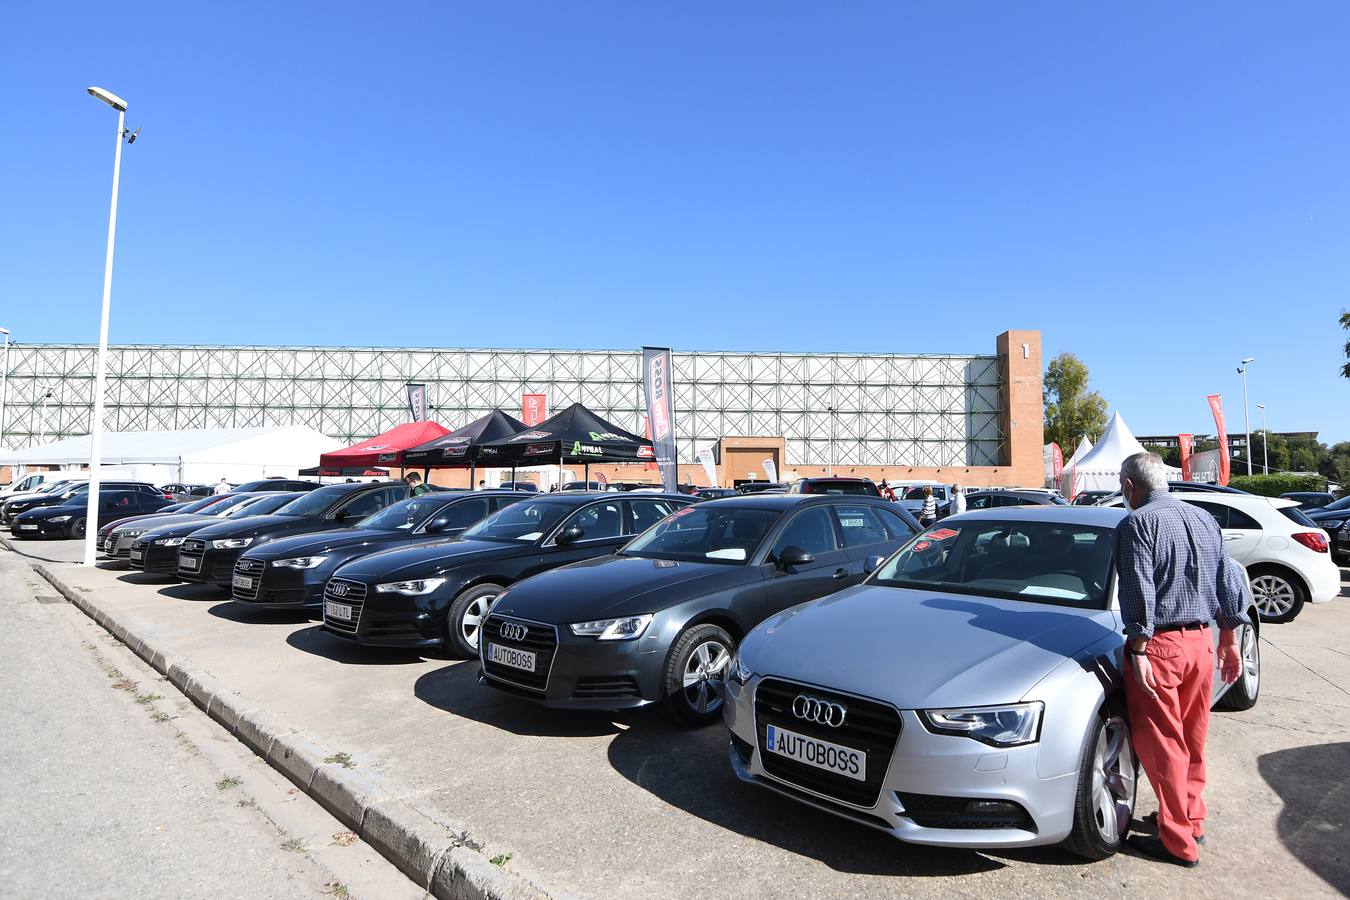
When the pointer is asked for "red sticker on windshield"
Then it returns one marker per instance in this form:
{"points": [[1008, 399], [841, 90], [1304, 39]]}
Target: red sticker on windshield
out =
{"points": [[922, 546], [942, 534], [682, 512]]}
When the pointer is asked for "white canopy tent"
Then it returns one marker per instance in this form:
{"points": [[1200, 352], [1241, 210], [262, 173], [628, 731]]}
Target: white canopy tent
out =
{"points": [[198, 457], [1066, 475], [1099, 468]]}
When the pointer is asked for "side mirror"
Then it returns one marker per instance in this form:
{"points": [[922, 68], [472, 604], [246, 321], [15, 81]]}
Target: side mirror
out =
{"points": [[437, 524], [571, 534], [872, 563], [794, 556]]}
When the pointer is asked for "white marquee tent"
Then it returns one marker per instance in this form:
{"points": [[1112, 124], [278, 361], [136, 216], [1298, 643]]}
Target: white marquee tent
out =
{"points": [[1099, 468], [195, 457]]}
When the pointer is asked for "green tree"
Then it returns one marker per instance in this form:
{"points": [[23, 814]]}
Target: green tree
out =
{"points": [[1170, 455], [1071, 410], [1345, 323]]}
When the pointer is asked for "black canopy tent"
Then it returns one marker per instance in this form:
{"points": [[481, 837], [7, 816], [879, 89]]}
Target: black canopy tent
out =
{"points": [[575, 435], [463, 446]]}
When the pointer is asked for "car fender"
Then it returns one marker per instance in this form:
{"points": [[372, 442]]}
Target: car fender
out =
{"points": [[1073, 693]]}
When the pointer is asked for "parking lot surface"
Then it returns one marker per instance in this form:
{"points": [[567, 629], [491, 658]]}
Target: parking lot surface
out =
{"points": [[628, 805]]}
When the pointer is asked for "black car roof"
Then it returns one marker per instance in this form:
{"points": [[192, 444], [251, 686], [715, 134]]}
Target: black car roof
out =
{"points": [[580, 498], [786, 501]]}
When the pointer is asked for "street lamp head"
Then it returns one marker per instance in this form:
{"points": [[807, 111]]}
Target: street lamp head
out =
{"points": [[109, 98], [4, 331], [1250, 359]]}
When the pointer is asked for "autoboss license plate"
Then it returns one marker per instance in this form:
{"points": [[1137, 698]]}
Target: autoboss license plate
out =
{"points": [[337, 610], [834, 758], [243, 581], [188, 562], [508, 656]]}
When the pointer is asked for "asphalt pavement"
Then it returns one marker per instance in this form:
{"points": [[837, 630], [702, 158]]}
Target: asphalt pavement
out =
{"points": [[628, 805]]}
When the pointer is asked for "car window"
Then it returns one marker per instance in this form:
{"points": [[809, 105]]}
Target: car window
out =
{"points": [[1014, 500], [899, 529], [727, 535], [811, 529], [1217, 510], [980, 501], [402, 516], [1240, 520], [646, 513], [860, 525], [370, 503], [465, 513], [1298, 516], [598, 521]]}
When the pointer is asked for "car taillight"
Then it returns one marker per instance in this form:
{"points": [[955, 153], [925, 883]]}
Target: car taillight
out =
{"points": [[1315, 541]]}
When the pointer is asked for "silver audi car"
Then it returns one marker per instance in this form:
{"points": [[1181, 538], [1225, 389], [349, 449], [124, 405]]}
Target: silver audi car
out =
{"points": [[967, 694]]}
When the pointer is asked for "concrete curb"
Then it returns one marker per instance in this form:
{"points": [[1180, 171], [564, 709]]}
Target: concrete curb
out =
{"points": [[443, 860]]}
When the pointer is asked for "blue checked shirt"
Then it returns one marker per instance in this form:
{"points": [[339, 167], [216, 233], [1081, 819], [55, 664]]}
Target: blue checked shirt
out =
{"points": [[1172, 569]]}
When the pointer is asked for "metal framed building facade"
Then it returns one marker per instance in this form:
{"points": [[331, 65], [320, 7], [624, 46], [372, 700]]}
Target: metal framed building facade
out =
{"points": [[842, 408]]}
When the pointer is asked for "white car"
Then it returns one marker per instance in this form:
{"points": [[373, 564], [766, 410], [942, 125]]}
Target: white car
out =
{"points": [[1286, 555]]}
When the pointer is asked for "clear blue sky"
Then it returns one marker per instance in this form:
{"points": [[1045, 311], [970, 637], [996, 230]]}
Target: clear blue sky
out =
{"points": [[1161, 188]]}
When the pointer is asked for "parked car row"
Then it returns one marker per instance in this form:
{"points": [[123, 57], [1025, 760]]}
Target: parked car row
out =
{"points": [[956, 686]]}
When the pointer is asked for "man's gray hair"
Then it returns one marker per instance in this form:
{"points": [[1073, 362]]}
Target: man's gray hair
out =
{"points": [[1146, 470]]}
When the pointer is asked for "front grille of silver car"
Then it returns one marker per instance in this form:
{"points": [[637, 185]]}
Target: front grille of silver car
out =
{"points": [[870, 726], [351, 593]]}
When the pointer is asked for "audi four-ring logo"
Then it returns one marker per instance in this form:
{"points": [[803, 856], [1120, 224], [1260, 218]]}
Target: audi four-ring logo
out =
{"points": [[822, 712], [339, 589], [513, 631]]}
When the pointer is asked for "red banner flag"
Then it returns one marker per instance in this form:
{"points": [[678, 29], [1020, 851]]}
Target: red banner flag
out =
{"points": [[533, 408], [1186, 443], [1216, 405], [1059, 459], [647, 433]]}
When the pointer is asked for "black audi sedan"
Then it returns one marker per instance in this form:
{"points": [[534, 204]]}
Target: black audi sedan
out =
{"points": [[117, 537], [208, 555], [437, 594], [156, 551], [658, 621], [290, 573], [79, 489], [68, 519]]}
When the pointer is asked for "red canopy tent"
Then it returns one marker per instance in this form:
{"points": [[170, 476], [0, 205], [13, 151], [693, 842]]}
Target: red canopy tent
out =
{"points": [[383, 449]]}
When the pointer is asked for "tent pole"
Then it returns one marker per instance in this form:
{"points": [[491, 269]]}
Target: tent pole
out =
{"points": [[588, 475], [473, 470]]}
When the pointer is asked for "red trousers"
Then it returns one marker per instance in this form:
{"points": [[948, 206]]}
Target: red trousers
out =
{"points": [[1169, 733]]}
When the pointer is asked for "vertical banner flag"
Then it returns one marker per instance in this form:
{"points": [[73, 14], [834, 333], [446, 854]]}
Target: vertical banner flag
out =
{"points": [[661, 411], [1059, 459], [1216, 406], [1185, 444], [647, 433], [417, 402], [770, 470], [533, 408], [705, 456]]}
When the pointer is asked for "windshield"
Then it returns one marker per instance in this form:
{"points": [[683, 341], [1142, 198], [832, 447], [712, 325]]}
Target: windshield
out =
{"points": [[720, 534], [196, 505], [259, 506], [310, 504], [853, 488], [55, 487], [1045, 562], [404, 515], [916, 493], [528, 520]]}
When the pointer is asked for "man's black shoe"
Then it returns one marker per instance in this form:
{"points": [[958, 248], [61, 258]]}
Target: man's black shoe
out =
{"points": [[1150, 823], [1153, 848]]}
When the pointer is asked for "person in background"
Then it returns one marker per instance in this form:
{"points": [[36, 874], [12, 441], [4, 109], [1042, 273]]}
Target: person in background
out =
{"points": [[415, 486], [1174, 578], [223, 487], [928, 515], [886, 492], [958, 503], [482, 484]]}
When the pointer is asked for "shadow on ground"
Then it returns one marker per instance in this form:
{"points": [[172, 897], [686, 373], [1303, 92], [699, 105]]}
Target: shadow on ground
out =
{"points": [[1313, 824], [145, 578], [318, 642], [455, 689], [198, 592], [242, 612], [689, 770]]}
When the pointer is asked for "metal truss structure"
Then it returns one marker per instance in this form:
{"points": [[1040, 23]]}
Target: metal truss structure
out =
{"points": [[849, 409]]}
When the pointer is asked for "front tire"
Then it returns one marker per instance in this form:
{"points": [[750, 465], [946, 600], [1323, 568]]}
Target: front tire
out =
{"points": [[1242, 694], [1107, 782], [1279, 596], [695, 668], [77, 528], [464, 620]]}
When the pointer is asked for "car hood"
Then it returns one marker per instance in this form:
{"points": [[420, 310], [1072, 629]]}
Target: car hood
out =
{"points": [[615, 586], [1321, 515], [336, 539], [47, 512], [921, 649], [35, 502], [174, 525], [267, 527], [153, 520], [429, 559]]}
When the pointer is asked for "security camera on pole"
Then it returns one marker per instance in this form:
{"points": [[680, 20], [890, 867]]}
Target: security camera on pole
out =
{"points": [[96, 425]]}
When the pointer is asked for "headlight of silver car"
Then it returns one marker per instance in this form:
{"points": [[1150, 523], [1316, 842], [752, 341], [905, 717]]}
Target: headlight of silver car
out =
{"points": [[299, 562], [231, 543], [998, 726], [168, 542], [624, 629], [415, 588]]}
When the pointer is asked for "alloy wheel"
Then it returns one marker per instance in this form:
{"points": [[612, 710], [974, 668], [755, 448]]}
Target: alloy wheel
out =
{"points": [[472, 623], [1251, 661], [1113, 780], [1274, 595], [703, 676]]}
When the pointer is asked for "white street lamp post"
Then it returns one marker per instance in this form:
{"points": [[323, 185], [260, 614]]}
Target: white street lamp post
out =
{"points": [[1265, 441], [4, 386], [96, 426], [1246, 421]]}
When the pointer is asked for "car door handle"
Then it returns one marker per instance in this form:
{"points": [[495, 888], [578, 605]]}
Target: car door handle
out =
{"points": [[1232, 537], [840, 573]]}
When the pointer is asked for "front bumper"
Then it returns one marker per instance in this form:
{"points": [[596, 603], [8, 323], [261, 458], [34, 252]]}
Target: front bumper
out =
{"points": [[260, 584], [385, 620], [576, 673], [927, 783], [200, 564], [42, 528], [153, 559]]}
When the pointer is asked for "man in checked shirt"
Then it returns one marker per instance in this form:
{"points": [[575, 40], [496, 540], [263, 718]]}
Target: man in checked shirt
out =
{"points": [[1174, 578]]}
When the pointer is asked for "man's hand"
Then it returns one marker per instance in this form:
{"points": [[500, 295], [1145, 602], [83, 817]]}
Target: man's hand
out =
{"points": [[1230, 658], [1142, 668]]}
